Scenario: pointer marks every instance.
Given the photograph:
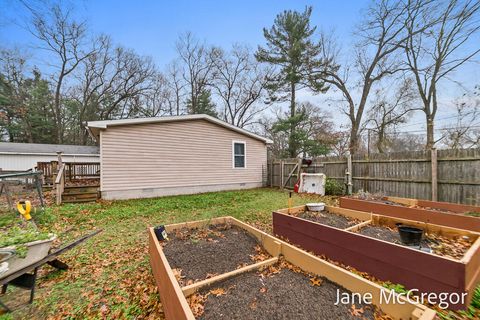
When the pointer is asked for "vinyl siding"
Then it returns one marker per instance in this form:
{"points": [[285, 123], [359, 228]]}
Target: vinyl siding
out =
{"points": [[174, 155]]}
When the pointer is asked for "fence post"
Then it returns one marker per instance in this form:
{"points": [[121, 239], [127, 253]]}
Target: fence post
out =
{"points": [[60, 183], [281, 174], [59, 157], [349, 174], [434, 174], [270, 174]]}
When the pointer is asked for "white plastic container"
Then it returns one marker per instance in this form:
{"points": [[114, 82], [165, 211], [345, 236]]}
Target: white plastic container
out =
{"points": [[37, 250], [319, 206], [312, 183]]}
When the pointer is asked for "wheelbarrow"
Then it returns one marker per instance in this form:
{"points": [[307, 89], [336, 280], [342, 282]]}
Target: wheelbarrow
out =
{"points": [[26, 276]]}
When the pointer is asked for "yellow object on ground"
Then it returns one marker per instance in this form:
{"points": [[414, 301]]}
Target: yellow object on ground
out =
{"points": [[24, 208]]}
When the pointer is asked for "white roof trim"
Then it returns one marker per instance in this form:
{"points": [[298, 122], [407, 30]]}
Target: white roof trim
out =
{"points": [[92, 155], [95, 126]]}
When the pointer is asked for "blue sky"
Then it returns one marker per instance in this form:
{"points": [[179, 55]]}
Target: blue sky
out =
{"points": [[152, 27]]}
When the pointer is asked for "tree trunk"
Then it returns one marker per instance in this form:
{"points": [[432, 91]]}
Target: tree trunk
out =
{"points": [[292, 144], [381, 141], [58, 115], [354, 139], [430, 133]]}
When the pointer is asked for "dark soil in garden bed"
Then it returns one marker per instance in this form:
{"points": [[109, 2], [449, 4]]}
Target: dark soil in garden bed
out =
{"points": [[203, 253], [381, 233], [398, 204], [275, 293], [449, 247], [329, 219]]}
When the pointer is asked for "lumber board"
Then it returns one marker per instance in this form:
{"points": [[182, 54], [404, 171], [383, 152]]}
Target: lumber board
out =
{"points": [[415, 214], [175, 305], [191, 289]]}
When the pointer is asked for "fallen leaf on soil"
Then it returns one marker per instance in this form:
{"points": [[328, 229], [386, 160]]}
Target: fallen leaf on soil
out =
{"points": [[356, 312], [218, 292], [270, 271], [316, 281], [177, 272], [260, 254], [253, 304], [285, 264], [196, 302]]}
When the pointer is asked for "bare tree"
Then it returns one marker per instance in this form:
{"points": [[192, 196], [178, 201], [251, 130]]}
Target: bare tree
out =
{"points": [[177, 86], [315, 132], [198, 65], [279, 147], [340, 148], [466, 131], [240, 84], [376, 56], [66, 39], [404, 141], [442, 48], [157, 100], [113, 82], [388, 111]]}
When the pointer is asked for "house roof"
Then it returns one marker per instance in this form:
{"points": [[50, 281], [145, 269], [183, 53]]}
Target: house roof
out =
{"points": [[38, 148], [94, 127]]}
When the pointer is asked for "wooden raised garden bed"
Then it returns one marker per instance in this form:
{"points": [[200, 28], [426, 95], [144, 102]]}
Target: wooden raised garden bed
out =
{"points": [[451, 265], [437, 205], [422, 210], [223, 268]]}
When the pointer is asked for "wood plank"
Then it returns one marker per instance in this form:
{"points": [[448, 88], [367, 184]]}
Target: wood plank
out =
{"points": [[175, 306], [191, 289]]}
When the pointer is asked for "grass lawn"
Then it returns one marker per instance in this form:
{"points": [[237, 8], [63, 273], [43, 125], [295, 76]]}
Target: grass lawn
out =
{"points": [[110, 275]]}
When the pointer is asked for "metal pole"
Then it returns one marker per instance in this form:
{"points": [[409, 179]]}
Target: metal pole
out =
{"points": [[349, 174]]}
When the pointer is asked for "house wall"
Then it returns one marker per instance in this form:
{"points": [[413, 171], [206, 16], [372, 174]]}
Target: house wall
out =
{"points": [[183, 157], [22, 161]]}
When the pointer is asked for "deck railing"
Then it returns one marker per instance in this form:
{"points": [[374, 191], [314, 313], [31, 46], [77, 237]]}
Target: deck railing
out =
{"points": [[73, 171]]}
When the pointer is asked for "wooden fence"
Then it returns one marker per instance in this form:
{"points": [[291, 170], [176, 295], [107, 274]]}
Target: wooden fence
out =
{"points": [[447, 175], [73, 170]]}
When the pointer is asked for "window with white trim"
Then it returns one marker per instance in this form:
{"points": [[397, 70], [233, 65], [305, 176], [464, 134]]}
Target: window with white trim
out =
{"points": [[239, 152]]}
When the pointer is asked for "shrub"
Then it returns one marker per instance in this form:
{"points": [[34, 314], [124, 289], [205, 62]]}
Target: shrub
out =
{"points": [[334, 188]]}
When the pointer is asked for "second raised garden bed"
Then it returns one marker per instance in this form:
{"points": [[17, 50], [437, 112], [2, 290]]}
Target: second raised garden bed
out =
{"points": [[440, 213], [225, 269], [438, 205], [373, 246]]}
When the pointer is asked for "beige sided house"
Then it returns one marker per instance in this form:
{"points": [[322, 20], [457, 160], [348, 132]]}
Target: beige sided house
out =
{"points": [[153, 157]]}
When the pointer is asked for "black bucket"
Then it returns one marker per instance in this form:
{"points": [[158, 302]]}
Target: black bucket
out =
{"points": [[410, 235], [161, 233]]}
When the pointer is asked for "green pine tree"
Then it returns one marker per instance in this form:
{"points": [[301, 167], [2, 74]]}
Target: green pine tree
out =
{"points": [[292, 49], [204, 105]]}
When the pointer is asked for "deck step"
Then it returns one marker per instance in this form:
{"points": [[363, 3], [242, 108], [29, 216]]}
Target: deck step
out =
{"points": [[79, 200], [77, 194], [81, 194], [80, 189]]}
